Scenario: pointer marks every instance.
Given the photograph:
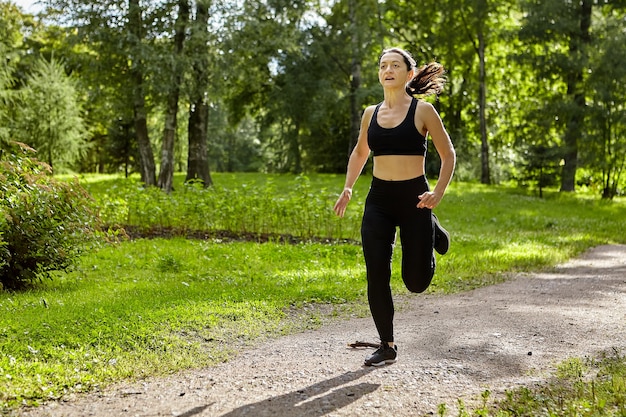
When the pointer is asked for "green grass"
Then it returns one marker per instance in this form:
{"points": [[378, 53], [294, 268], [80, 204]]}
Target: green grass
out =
{"points": [[579, 387], [497, 229], [156, 306], [243, 203], [151, 307]]}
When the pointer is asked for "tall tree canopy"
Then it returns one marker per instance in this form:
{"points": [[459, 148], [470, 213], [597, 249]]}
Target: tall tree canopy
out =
{"points": [[280, 86]]}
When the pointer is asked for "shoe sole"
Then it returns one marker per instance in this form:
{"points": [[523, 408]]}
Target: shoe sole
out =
{"points": [[381, 363], [440, 230]]}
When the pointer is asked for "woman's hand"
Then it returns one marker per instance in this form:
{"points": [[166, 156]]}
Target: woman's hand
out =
{"points": [[429, 200], [342, 202]]}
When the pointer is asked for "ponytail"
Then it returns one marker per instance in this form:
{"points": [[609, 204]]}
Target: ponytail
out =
{"points": [[428, 79]]}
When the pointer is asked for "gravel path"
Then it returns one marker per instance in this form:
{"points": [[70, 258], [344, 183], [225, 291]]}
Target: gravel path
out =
{"points": [[450, 347]]}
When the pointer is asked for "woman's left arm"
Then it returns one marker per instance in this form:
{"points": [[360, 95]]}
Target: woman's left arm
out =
{"points": [[445, 149]]}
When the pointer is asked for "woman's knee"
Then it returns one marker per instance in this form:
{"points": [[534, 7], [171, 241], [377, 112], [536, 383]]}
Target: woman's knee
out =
{"points": [[417, 288], [417, 283]]}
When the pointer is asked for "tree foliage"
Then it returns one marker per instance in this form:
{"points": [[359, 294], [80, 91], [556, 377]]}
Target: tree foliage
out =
{"points": [[280, 86], [50, 117], [607, 111]]}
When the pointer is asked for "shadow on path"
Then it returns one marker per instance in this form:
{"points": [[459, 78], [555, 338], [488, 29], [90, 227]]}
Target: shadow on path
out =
{"points": [[315, 400], [196, 411]]}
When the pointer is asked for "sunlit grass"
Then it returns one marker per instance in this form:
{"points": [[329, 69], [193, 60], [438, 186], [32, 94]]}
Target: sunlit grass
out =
{"points": [[581, 387], [150, 307], [155, 306]]}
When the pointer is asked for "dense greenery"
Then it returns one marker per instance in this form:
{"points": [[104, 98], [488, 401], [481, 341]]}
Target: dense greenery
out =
{"points": [[44, 223], [154, 306], [536, 90]]}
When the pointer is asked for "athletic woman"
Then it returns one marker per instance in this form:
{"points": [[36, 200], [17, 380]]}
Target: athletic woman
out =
{"points": [[395, 131]]}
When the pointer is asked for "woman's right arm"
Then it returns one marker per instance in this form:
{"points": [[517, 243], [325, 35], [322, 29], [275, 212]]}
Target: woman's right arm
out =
{"points": [[357, 161]]}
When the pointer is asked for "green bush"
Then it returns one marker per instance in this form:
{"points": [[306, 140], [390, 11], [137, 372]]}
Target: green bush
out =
{"points": [[44, 223]]}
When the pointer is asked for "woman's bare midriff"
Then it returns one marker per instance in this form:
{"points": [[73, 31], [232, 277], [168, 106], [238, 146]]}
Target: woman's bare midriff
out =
{"points": [[398, 167]]}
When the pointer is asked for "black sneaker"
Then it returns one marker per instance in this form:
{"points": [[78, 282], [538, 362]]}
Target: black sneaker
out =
{"points": [[385, 354], [442, 237]]}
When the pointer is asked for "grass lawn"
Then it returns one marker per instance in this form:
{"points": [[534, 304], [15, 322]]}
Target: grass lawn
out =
{"points": [[156, 306]]}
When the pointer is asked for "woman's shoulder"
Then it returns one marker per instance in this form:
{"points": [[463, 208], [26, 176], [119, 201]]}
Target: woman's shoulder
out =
{"points": [[426, 110], [423, 105], [369, 111]]}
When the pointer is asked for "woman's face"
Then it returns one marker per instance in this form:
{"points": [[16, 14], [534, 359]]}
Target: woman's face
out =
{"points": [[393, 71]]}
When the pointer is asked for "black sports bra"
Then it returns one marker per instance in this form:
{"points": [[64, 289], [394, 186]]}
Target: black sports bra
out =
{"points": [[403, 139]]}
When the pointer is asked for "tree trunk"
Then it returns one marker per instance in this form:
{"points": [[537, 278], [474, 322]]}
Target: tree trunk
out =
{"points": [[197, 159], [485, 176], [295, 165], [146, 157], [613, 164], [355, 79], [166, 176], [573, 131], [573, 128]]}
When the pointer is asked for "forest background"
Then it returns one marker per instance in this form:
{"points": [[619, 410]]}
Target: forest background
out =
{"points": [[535, 93]]}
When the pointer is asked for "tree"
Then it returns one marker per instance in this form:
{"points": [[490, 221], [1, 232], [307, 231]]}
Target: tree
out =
{"points": [[175, 73], [233, 148], [360, 20], [315, 98], [6, 97], [197, 160], [120, 148], [433, 30], [13, 25], [49, 118], [539, 165], [606, 152], [260, 36], [578, 48], [475, 24], [92, 50], [136, 51], [288, 81], [563, 28], [126, 67]]}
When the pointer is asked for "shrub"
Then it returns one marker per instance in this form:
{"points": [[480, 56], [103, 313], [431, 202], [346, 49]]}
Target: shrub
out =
{"points": [[44, 223]]}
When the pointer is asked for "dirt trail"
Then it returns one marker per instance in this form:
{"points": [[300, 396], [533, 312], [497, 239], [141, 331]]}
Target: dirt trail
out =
{"points": [[449, 347]]}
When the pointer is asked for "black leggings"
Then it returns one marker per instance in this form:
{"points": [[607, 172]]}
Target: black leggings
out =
{"points": [[392, 204]]}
